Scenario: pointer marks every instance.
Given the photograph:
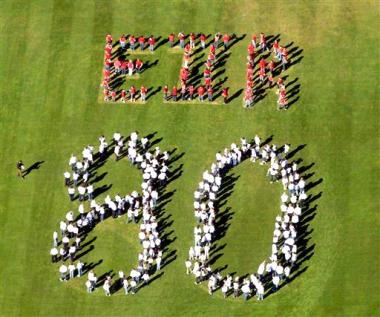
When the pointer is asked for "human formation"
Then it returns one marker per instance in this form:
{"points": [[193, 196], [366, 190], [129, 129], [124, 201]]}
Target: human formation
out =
{"points": [[275, 270], [134, 206], [115, 65], [266, 71], [205, 91], [260, 72]]}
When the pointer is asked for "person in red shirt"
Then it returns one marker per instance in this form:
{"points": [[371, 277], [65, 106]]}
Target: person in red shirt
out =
{"points": [[275, 48], [212, 49], [192, 39], [208, 82], [226, 40], [251, 50], [143, 92], [262, 63], [262, 74], [211, 58], [106, 73], [174, 93], [123, 67], [123, 96], [171, 39], [210, 93], [109, 39], [284, 58], [108, 64], [250, 60], [105, 83], [201, 92], [132, 93], [113, 95], [225, 95], [207, 73], [139, 65], [108, 48], [142, 42], [203, 38], [183, 92], [191, 92], [280, 83], [132, 42], [151, 42], [165, 92], [117, 66], [123, 42]]}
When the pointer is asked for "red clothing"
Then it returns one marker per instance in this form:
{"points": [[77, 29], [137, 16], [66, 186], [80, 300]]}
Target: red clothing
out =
{"points": [[132, 90], [151, 41], [139, 63], [262, 63], [208, 81], [201, 91], [141, 40], [123, 93], [143, 90], [171, 37], [212, 49], [109, 38], [132, 40], [226, 38], [165, 90], [130, 65], [225, 92], [206, 73], [174, 91], [191, 90], [251, 49]]}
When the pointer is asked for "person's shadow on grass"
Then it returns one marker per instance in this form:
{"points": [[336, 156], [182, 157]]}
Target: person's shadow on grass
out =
{"points": [[34, 166]]}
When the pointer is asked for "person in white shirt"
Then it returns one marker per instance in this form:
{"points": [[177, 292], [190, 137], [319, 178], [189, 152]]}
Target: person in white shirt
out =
{"points": [[80, 266], [67, 177], [71, 191], [71, 271], [63, 272], [90, 192], [82, 192], [246, 290], [55, 239], [107, 288], [54, 253], [72, 161], [125, 285]]}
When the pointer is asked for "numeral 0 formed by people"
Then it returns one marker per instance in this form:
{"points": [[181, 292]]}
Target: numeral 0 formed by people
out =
{"points": [[273, 273]]}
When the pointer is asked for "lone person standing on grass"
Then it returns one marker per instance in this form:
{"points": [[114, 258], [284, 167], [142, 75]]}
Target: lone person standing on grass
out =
{"points": [[20, 169]]}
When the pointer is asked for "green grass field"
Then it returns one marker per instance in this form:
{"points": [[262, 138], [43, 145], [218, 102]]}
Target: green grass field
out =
{"points": [[50, 69]]}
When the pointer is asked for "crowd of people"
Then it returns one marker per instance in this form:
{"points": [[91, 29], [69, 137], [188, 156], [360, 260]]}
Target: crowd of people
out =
{"points": [[115, 66], [277, 268], [206, 90], [266, 70], [154, 167]]}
